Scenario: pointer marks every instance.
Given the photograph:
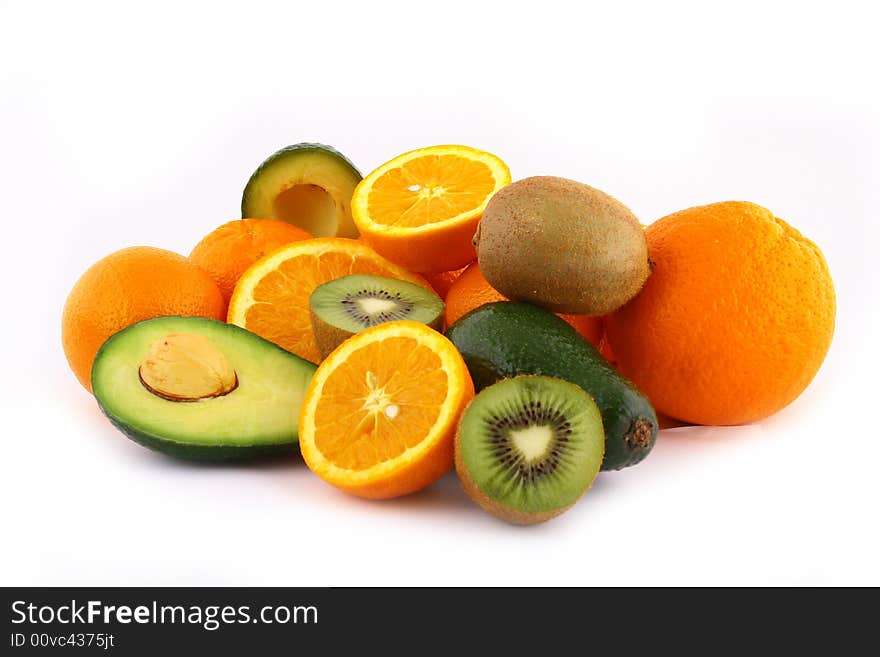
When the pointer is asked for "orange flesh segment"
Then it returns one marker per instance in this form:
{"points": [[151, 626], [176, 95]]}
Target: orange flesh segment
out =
{"points": [[429, 189], [373, 407]]}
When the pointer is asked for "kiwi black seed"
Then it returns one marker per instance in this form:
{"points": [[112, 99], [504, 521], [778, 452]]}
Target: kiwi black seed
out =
{"points": [[344, 306], [529, 447]]}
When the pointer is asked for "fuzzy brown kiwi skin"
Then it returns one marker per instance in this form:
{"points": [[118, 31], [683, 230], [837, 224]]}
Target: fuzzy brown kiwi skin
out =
{"points": [[328, 337], [562, 245]]}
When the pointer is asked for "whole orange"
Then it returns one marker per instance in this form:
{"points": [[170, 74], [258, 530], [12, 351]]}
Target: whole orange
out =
{"points": [[227, 251], [443, 281], [589, 326], [735, 319], [125, 287], [606, 351], [471, 290]]}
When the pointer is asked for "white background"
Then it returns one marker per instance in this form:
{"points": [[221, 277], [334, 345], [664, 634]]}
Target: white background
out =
{"points": [[122, 127]]}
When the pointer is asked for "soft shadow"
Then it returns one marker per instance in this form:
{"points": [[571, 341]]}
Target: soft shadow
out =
{"points": [[688, 444], [603, 484], [666, 422], [289, 460], [695, 434], [445, 494]]}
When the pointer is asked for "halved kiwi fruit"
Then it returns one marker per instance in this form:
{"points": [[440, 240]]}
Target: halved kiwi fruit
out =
{"points": [[529, 447], [345, 306]]}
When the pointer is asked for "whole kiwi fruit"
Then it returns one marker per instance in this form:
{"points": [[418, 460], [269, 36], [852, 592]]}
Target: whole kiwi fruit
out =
{"points": [[562, 245]]}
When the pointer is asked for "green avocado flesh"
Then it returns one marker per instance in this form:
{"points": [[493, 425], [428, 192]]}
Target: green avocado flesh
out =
{"points": [[307, 185], [257, 417], [506, 339]]}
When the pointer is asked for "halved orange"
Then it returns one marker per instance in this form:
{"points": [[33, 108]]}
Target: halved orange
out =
{"points": [[271, 298], [421, 209], [379, 416]]}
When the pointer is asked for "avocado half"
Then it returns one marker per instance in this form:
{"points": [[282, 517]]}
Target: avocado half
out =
{"points": [[307, 185], [199, 388]]}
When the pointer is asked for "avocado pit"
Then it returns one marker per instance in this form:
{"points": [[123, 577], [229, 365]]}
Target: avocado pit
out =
{"points": [[309, 206], [186, 367]]}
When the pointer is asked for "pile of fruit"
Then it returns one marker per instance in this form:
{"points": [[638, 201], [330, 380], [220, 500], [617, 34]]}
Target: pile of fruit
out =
{"points": [[435, 314]]}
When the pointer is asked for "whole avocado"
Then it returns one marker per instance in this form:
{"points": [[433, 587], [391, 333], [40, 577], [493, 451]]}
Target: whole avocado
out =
{"points": [[506, 339]]}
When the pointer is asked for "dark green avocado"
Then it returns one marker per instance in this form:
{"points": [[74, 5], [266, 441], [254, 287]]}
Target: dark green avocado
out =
{"points": [[307, 185], [505, 339], [199, 388]]}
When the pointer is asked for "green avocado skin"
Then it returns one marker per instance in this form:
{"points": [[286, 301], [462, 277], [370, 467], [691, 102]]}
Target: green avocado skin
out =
{"points": [[504, 339], [219, 453], [295, 151]]}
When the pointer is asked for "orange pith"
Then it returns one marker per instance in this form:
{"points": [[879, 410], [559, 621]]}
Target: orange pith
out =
{"points": [[379, 416], [272, 297]]}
